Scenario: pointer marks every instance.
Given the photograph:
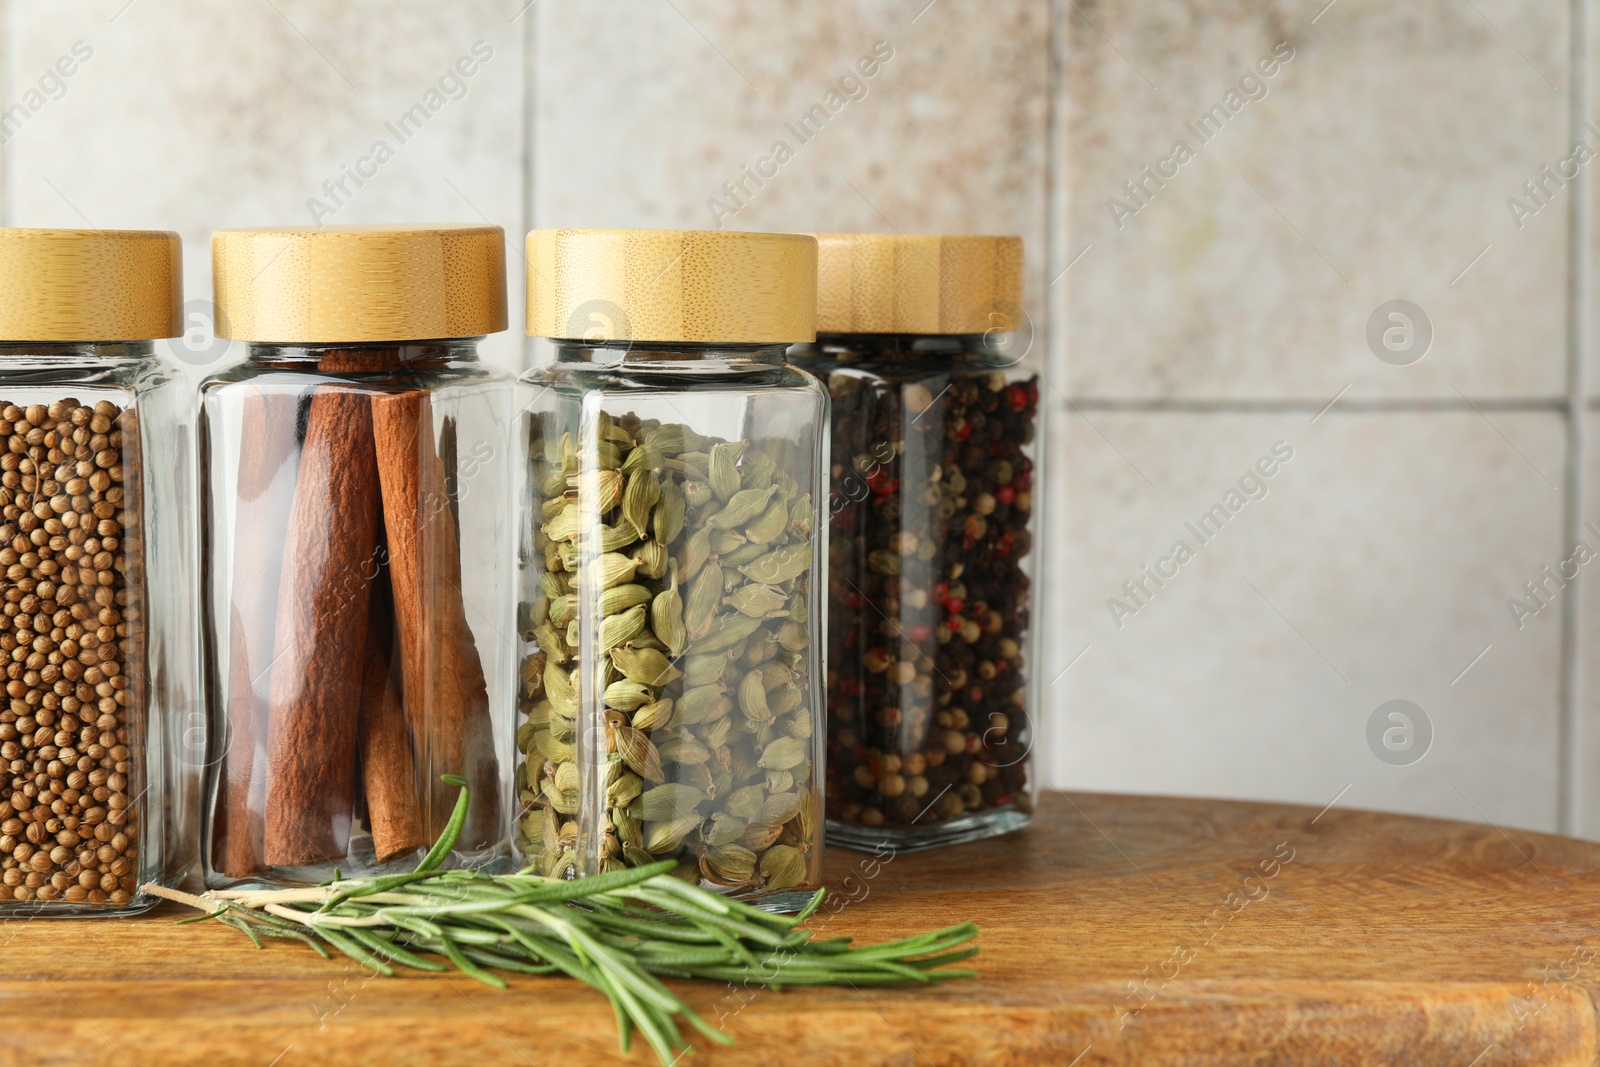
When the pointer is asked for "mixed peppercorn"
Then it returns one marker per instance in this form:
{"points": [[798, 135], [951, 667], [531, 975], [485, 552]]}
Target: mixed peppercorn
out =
{"points": [[930, 532]]}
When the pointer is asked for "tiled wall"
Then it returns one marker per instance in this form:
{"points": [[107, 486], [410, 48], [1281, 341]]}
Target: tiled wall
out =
{"points": [[1335, 157]]}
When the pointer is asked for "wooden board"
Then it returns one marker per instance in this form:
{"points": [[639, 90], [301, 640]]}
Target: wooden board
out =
{"points": [[1119, 930]]}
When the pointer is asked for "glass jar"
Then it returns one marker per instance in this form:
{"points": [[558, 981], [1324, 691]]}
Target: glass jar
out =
{"points": [[356, 553], [672, 614], [931, 692], [95, 586]]}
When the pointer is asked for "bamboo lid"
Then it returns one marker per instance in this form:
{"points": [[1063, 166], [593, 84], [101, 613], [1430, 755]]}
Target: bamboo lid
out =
{"points": [[90, 285], [348, 284], [694, 286], [915, 283]]}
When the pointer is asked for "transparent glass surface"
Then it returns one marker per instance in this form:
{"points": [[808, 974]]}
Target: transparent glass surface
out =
{"points": [[671, 616], [93, 587], [355, 551], [932, 565]]}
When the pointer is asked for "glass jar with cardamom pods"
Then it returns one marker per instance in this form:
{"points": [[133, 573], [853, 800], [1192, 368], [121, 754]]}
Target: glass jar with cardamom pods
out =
{"points": [[96, 759], [932, 695], [357, 553], [672, 606]]}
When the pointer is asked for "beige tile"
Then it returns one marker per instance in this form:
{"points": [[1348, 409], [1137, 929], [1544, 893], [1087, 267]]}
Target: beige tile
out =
{"points": [[194, 116], [1586, 809], [1376, 167], [644, 113], [1377, 567]]}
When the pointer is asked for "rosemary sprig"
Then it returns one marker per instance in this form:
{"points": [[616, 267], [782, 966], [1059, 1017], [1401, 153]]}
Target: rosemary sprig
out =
{"points": [[619, 932]]}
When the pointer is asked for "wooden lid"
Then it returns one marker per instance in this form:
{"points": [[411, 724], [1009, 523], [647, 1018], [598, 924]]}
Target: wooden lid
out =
{"points": [[696, 286], [916, 283], [90, 285], [346, 284]]}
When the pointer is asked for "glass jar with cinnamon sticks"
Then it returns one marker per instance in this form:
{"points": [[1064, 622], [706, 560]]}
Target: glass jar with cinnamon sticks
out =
{"points": [[95, 594], [354, 542], [672, 604], [932, 695]]}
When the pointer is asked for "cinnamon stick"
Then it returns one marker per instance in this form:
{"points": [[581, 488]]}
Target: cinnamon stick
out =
{"points": [[268, 446], [388, 773], [329, 561], [444, 693]]}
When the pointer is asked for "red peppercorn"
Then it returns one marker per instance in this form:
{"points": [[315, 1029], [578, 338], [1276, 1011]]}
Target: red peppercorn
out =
{"points": [[852, 600], [1018, 397], [1006, 494], [1033, 392], [953, 623], [941, 590], [919, 632], [858, 751], [1002, 800], [954, 605], [964, 431]]}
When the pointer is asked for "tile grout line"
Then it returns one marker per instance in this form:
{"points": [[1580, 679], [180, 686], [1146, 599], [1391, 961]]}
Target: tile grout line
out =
{"points": [[530, 100], [1570, 731], [1057, 218]]}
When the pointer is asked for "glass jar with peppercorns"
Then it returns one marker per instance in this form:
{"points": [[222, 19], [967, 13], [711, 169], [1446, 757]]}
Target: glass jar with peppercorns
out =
{"points": [[935, 444], [672, 613], [94, 586]]}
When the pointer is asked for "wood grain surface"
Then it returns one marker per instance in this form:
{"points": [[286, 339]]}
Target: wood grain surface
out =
{"points": [[1118, 930]]}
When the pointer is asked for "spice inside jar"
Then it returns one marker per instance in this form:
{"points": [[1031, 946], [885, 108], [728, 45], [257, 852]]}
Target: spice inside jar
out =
{"points": [[931, 531], [85, 589], [355, 481]]}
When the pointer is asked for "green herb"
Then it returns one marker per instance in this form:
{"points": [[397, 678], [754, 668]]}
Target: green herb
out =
{"points": [[616, 932]]}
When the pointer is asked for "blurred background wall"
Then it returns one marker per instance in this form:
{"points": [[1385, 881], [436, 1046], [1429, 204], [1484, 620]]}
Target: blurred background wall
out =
{"points": [[1221, 202]]}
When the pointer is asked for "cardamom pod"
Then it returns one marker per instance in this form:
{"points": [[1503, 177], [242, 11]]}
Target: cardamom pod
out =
{"points": [[758, 836], [782, 867], [626, 694], [779, 808], [695, 705], [728, 865], [726, 541], [726, 631], [549, 639], [627, 788], [763, 646], [785, 753], [759, 470], [753, 698], [599, 489], [715, 733], [644, 666], [743, 506], [669, 801], [785, 698], [745, 802], [780, 781], [619, 629], [774, 674], [705, 596], [666, 617], [798, 724], [637, 752], [770, 524], [703, 670], [558, 687], [652, 558], [695, 552], [725, 829], [611, 569], [779, 565], [757, 601], [566, 524], [644, 489], [620, 536], [697, 492], [684, 748], [802, 516], [642, 458], [667, 520], [663, 837], [653, 716], [619, 598], [793, 636], [724, 471]]}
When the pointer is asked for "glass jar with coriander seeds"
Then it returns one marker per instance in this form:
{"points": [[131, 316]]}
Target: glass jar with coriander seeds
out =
{"points": [[672, 613], [932, 695], [357, 553], [94, 573]]}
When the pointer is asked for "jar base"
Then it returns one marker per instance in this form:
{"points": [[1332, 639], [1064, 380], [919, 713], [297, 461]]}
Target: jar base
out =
{"points": [[359, 864], [905, 839]]}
